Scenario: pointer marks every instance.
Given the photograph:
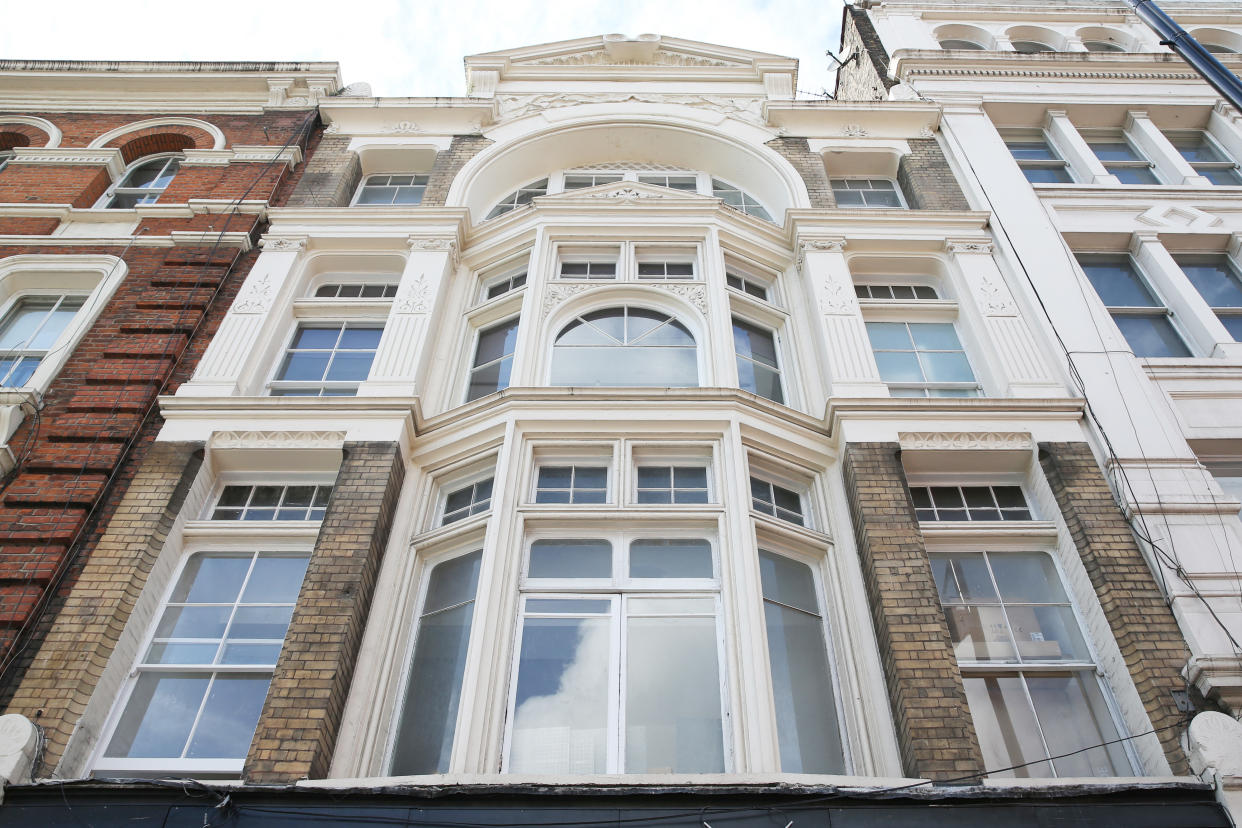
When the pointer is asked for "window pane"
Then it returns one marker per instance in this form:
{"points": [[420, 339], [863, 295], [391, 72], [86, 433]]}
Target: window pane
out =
{"points": [[934, 336], [229, 717], [1073, 716], [1047, 175], [1005, 724], [672, 710], [889, 336], [211, 579], [560, 720], [806, 717], [1151, 336], [159, 715], [496, 342], [429, 718], [979, 633], [1117, 282], [962, 578], [260, 622], [570, 559], [1215, 280], [787, 581], [1028, 578], [1048, 633], [670, 559], [899, 367]]}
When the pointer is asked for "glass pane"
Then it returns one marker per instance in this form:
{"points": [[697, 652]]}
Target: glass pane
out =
{"points": [[496, 342], [655, 477], [1117, 282], [1005, 725], [193, 622], [250, 653], [1215, 280], [962, 578], [1113, 151], [1134, 175], [260, 622], [755, 343], [211, 579], [304, 367], [690, 477], [452, 582], [590, 477], [159, 715], [979, 633], [1073, 715], [560, 719], [899, 367], [429, 713], [670, 559], [672, 697], [229, 717], [935, 336], [1031, 150], [1151, 336], [570, 559], [946, 367], [806, 716], [350, 367], [568, 606], [1047, 633], [1028, 578], [787, 581], [181, 653], [355, 338], [889, 336], [671, 606], [1047, 175], [484, 381], [316, 338]]}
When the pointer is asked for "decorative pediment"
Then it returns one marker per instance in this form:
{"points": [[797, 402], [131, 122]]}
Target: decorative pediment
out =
{"points": [[624, 192]]}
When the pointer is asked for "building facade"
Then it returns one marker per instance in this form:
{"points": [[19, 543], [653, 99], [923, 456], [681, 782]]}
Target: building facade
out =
{"points": [[627, 441]]}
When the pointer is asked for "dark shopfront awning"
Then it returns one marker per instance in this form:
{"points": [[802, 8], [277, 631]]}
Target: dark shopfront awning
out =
{"points": [[170, 804]]}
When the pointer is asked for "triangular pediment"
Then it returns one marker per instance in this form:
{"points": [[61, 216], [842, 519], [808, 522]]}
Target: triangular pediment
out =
{"points": [[624, 192]]}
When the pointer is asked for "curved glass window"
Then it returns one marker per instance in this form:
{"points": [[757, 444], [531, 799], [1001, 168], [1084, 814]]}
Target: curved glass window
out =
{"points": [[520, 196], [1031, 47], [735, 197], [144, 182], [625, 346], [952, 43], [1102, 46]]}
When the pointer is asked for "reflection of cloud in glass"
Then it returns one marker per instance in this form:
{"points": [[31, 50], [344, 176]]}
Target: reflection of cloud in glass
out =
{"points": [[564, 731]]}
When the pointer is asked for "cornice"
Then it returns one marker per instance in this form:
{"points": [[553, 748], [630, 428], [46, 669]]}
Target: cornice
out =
{"points": [[848, 119], [809, 224], [945, 408], [290, 156], [911, 64], [109, 158]]}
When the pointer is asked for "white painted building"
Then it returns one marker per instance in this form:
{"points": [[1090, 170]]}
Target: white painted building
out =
{"points": [[682, 435]]}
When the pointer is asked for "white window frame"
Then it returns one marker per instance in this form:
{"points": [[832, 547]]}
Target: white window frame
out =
{"points": [[1141, 159], [1159, 309], [738, 314], [457, 484], [301, 321], [477, 326], [670, 455], [1058, 161], [105, 200], [365, 182], [901, 196]]}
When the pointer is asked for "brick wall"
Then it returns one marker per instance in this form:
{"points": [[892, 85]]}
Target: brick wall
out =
{"points": [[64, 670], [810, 166], [449, 163], [331, 177], [297, 729], [1141, 621], [934, 728], [926, 179], [866, 77]]}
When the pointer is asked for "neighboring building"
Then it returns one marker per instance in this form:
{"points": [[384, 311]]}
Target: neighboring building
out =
{"points": [[627, 442]]}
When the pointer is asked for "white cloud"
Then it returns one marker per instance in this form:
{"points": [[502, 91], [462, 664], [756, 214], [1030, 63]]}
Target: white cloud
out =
{"points": [[408, 48]]}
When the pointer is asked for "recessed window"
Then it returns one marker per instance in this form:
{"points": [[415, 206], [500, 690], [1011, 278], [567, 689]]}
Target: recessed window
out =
{"points": [[520, 196], [351, 290], [1219, 282], [895, 293], [578, 181], [1102, 46], [1040, 163], [758, 369], [424, 734], [665, 271], [493, 359], [327, 360], [576, 484], [1030, 47], [1029, 675], [936, 503], [743, 201], [596, 269], [1206, 157], [672, 484], [625, 347], [1144, 321], [143, 183], [202, 681], [922, 359], [866, 192], [688, 183], [29, 330], [777, 501], [272, 503], [506, 285], [1121, 158], [744, 283], [473, 499], [400, 189], [954, 43]]}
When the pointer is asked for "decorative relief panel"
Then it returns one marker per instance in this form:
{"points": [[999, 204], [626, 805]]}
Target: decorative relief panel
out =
{"points": [[414, 297], [626, 195], [745, 109], [836, 299], [276, 439], [1007, 440], [694, 294], [278, 244], [557, 294], [256, 296]]}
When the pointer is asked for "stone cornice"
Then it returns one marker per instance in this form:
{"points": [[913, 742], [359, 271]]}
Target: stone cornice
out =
{"points": [[290, 156], [72, 157], [944, 408], [846, 119]]}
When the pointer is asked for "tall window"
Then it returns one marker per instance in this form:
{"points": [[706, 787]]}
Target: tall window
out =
{"points": [[1121, 158], [1040, 163], [625, 346], [1030, 677], [1218, 280], [922, 359], [493, 359], [327, 360], [143, 182], [758, 368], [424, 734], [202, 681], [1143, 319], [29, 330], [402, 189], [1206, 156], [806, 713], [614, 674]]}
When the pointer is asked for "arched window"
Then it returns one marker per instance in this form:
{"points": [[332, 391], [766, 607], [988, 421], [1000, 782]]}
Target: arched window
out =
{"points": [[143, 182], [625, 346]]}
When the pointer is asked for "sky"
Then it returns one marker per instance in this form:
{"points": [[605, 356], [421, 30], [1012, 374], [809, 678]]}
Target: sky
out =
{"points": [[407, 47]]}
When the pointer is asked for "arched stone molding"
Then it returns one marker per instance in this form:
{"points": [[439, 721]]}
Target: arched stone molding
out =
{"points": [[214, 138], [507, 165], [31, 126], [572, 303]]}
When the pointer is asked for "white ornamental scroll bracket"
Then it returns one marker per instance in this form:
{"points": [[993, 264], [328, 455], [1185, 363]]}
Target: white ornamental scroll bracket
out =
{"points": [[557, 295], [817, 246], [419, 244]]}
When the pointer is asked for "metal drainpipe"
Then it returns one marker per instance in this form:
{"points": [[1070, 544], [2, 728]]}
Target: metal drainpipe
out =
{"points": [[1190, 50]]}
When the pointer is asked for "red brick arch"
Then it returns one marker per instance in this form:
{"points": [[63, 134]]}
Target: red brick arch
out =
{"points": [[12, 133], [148, 142], [10, 138]]}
